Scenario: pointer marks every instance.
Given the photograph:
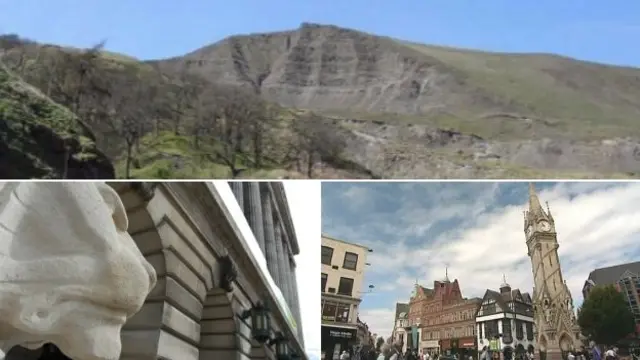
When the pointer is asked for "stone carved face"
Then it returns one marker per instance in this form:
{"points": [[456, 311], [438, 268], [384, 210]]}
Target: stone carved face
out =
{"points": [[70, 274]]}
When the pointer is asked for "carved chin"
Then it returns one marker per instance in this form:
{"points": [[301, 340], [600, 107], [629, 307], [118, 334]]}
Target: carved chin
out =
{"points": [[83, 331], [99, 341]]}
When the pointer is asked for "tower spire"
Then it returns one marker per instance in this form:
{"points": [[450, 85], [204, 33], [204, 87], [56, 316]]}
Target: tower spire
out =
{"points": [[446, 273], [534, 203]]}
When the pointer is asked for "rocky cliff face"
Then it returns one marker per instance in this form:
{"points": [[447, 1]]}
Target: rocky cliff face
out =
{"points": [[327, 67], [331, 68], [41, 139]]}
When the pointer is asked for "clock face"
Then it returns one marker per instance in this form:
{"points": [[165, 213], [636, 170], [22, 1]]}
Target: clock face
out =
{"points": [[545, 226]]}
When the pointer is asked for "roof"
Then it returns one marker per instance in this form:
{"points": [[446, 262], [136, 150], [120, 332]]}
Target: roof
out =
{"points": [[401, 308], [611, 274], [503, 299], [324, 236]]}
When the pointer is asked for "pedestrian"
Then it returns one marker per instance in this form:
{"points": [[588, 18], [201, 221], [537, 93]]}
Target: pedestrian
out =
{"points": [[571, 355], [373, 354], [385, 352], [483, 354], [344, 355], [595, 351], [396, 351], [609, 354]]}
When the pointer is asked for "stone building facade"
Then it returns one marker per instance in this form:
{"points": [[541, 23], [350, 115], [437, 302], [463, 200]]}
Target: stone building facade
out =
{"points": [[218, 254], [342, 275], [554, 317], [444, 318]]}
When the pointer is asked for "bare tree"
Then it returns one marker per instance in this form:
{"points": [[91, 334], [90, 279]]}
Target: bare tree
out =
{"points": [[130, 112], [318, 140]]}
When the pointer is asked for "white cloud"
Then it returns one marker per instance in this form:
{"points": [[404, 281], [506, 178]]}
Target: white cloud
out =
{"points": [[304, 202], [596, 229]]}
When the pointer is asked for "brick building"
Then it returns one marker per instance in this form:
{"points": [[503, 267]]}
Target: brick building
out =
{"points": [[444, 318]]}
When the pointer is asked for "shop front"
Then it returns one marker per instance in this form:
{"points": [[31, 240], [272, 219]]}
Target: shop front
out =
{"points": [[465, 346], [335, 339], [430, 347]]}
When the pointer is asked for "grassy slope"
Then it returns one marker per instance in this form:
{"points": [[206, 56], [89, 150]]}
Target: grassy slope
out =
{"points": [[576, 98], [28, 121]]}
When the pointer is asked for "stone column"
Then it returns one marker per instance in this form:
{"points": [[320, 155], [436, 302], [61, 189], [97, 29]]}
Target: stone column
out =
{"points": [[287, 277], [283, 265], [296, 303], [236, 187], [253, 211], [268, 231], [281, 256]]}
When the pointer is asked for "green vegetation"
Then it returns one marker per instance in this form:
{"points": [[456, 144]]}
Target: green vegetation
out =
{"points": [[38, 137], [166, 156], [605, 316]]}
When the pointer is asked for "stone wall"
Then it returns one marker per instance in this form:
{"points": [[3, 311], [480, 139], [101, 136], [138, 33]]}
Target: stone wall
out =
{"points": [[187, 316]]}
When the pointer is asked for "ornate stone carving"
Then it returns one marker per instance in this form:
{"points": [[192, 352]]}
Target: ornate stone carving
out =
{"points": [[70, 274], [228, 273], [145, 189]]}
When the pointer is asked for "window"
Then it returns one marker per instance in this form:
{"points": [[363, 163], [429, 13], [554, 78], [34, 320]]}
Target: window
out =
{"points": [[324, 281], [345, 287], [519, 330], [489, 309], [342, 313], [507, 334], [480, 330], [350, 261], [327, 254], [529, 331], [491, 329], [329, 311]]}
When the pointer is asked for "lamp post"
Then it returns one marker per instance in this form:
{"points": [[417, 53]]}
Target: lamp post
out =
{"points": [[260, 322]]}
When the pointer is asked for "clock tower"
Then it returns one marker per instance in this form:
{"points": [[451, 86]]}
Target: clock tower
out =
{"points": [[554, 318]]}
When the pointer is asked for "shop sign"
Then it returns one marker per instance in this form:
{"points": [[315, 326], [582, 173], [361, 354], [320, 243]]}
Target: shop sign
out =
{"points": [[338, 333]]}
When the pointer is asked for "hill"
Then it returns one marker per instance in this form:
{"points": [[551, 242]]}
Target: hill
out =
{"points": [[330, 102], [509, 114]]}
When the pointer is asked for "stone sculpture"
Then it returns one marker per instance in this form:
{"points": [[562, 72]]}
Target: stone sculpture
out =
{"points": [[70, 274]]}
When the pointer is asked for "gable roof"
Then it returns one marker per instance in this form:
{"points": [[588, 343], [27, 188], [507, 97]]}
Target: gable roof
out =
{"points": [[503, 299], [611, 274]]}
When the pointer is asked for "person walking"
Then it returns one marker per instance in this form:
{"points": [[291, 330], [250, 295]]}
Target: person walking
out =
{"points": [[385, 352], [344, 355], [396, 351], [595, 351]]}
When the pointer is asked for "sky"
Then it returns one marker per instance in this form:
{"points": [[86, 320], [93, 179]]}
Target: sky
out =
{"points": [[596, 30], [476, 230], [304, 203]]}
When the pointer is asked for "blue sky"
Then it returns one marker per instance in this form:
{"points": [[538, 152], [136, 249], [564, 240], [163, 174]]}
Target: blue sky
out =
{"points": [[476, 229], [598, 30]]}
